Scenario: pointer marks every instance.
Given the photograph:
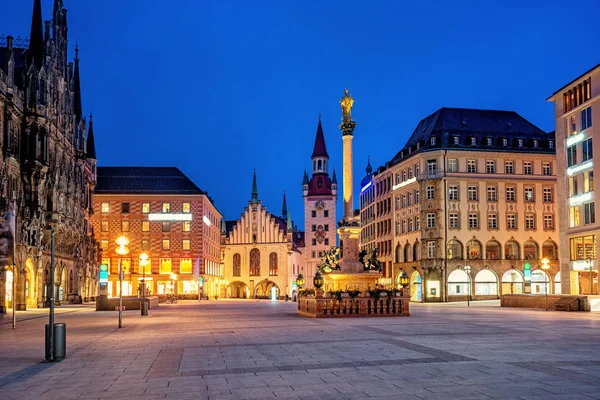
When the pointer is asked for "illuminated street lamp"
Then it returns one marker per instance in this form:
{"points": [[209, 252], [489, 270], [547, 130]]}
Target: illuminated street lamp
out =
{"points": [[545, 266], [121, 250], [173, 279], [404, 279], [318, 280], [300, 281], [143, 263]]}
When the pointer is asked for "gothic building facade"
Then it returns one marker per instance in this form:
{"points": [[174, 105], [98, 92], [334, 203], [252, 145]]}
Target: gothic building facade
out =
{"points": [[47, 165]]}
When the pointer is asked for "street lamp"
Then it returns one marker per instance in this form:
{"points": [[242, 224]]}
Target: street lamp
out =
{"points": [[173, 279], [318, 280], [300, 281], [589, 260], [121, 250], [404, 280], [467, 269], [143, 263], [545, 266]]}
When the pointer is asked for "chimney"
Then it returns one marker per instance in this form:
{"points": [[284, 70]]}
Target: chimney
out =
{"points": [[9, 42]]}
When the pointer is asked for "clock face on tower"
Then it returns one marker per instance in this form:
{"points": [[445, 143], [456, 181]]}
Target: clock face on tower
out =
{"points": [[320, 204]]}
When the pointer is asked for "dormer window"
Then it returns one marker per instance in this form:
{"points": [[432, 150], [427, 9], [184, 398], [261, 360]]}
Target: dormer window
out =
{"points": [[551, 144], [520, 142], [433, 141], [473, 141], [489, 141], [456, 139], [535, 143], [504, 142]]}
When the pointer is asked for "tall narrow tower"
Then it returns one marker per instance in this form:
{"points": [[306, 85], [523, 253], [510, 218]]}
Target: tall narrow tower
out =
{"points": [[349, 226], [320, 199]]}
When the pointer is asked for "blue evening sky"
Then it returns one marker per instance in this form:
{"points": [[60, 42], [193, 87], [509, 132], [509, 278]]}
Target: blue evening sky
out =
{"points": [[218, 87]]}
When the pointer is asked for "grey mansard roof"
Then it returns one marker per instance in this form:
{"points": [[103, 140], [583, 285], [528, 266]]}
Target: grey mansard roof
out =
{"points": [[465, 123], [144, 180]]}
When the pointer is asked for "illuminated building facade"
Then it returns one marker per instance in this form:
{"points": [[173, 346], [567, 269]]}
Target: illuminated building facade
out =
{"points": [[262, 252], [47, 164], [470, 188], [320, 199], [576, 107], [165, 215]]}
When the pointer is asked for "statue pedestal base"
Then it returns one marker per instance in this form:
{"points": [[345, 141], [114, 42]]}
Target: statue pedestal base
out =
{"points": [[359, 281], [349, 243]]}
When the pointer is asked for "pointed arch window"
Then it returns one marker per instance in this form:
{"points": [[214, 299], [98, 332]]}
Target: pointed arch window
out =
{"points": [[273, 268], [237, 265], [254, 262]]}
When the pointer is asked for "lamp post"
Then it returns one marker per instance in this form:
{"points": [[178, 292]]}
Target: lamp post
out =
{"points": [[545, 266], [143, 263], [404, 279], [589, 260], [300, 281], [468, 271], [121, 250], [173, 279]]}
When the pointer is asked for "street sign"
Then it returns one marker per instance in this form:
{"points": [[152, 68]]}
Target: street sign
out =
{"points": [[103, 274], [201, 281]]}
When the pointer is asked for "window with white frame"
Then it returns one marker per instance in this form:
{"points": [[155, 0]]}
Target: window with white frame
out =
{"points": [[535, 143], [489, 141], [397, 202], [473, 221], [433, 140], [403, 226], [410, 172], [589, 213], [520, 142], [453, 165], [410, 198], [472, 191], [551, 144], [430, 220], [417, 198], [417, 170], [492, 221], [473, 141], [430, 192], [454, 221], [511, 221], [456, 140], [509, 167], [492, 193], [105, 208], [527, 168], [490, 167], [529, 221], [528, 191], [417, 223], [403, 200], [504, 142], [431, 167], [471, 166], [403, 175], [431, 249], [548, 195], [511, 193], [410, 224], [546, 168], [453, 192], [548, 222], [588, 181]]}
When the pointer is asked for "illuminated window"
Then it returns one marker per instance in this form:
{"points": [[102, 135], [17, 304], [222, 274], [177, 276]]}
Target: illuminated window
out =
{"points": [[583, 247], [573, 186], [165, 266], [104, 244], [453, 165], [473, 141], [574, 216], [124, 226], [528, 192], [186, 244], [145, 208], [433, 141], [254, 262], [489, 141], [145, 245], [237, 264], [166, 244], [186, 208], [185, 226], [166, 207], [588, 181], [273, 267], [185, 266], [105, 208], [126, 265], [456, 140], [104, 227], [106, 261], [145, 226]]}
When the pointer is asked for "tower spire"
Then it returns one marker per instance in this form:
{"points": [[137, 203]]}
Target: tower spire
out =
{"points": [[77, 109], [284, 209], [254, 189], [334, 178], [36, 37], [320, 150], [369, 169], [290, 227], [90, 149]]}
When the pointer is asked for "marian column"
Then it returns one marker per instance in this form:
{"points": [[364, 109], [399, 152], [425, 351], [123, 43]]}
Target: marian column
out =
{"points": [[349, 226]]}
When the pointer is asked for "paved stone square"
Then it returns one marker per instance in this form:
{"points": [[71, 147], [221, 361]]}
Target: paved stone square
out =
{"points": [[248, 349]]}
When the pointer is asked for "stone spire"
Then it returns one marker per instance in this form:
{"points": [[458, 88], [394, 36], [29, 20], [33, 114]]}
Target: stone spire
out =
{"points": [[305, 180], [320, 150], [290, 227], [254, 189], [284, 209], [334, 178], [36, 37], [90, 149], [77, 108]]}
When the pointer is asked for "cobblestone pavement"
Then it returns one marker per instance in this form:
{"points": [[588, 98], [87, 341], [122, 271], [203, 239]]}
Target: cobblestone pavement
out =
{"points": [[229, 349]]}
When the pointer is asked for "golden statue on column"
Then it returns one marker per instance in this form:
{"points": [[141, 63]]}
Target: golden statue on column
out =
{"points": [[347, 101]]}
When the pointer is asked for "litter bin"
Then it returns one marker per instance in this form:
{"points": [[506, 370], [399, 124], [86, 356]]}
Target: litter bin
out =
{"points": [[60, 341], [144, 308]]}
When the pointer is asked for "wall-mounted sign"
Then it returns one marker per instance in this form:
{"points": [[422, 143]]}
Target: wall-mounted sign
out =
{"points": [[582, 265], [169, 217]]}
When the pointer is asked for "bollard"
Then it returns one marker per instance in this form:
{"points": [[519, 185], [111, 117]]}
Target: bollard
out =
{"points": [[144, 308], [60, 342]]}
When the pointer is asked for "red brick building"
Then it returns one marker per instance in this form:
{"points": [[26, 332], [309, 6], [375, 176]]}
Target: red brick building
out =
{"points": [[165, 215]]}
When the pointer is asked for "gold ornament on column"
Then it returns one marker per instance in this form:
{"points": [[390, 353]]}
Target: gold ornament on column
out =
{"points": [[346, 102]]}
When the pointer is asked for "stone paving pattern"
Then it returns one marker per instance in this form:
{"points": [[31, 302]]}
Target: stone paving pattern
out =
{"points": [[230, 349]]}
